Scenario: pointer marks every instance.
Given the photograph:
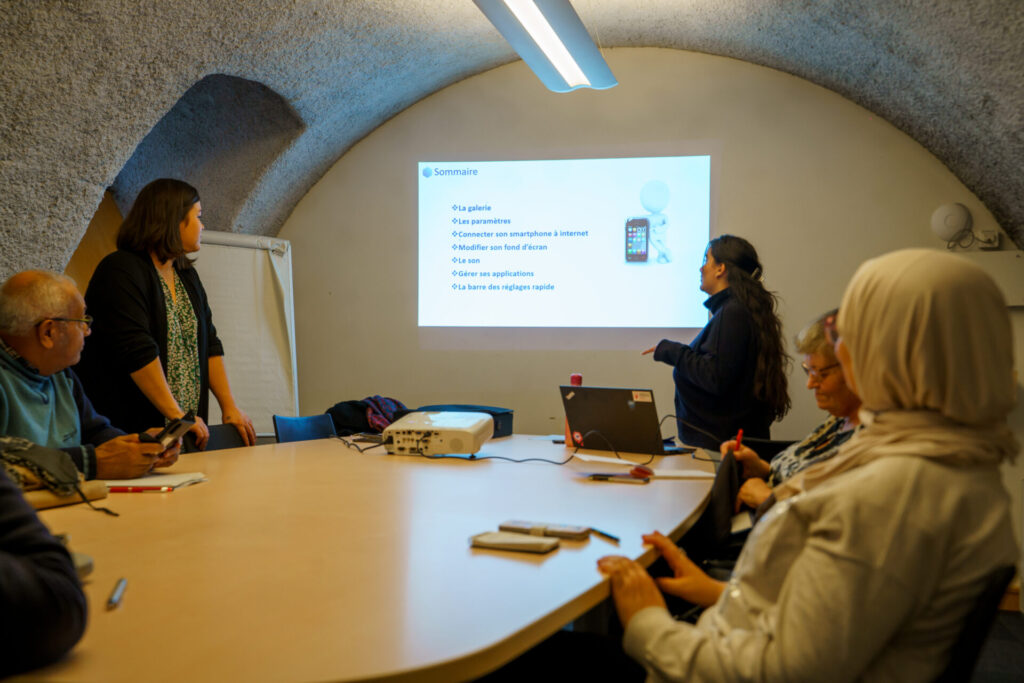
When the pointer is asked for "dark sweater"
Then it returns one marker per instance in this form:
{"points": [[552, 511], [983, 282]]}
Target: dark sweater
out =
{"points": [[96, 429], [714, 376], [42, 608], [130, 330]]}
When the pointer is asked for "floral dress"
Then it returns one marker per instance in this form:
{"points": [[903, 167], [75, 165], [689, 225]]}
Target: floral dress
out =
{"points": [[182, 346]]}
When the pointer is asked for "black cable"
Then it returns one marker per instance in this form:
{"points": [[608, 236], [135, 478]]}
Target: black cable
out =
{"points": [[962, 239], [89, 503], [754, 439], [351, 444], [502, 457], [714, 437], [572, 455], [442, 456], [491, 457], [612, 448]]}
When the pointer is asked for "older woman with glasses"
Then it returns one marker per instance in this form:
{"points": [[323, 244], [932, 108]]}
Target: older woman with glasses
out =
{"points": [[825, 378]]}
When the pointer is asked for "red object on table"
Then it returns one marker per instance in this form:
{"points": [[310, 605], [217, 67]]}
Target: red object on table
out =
{"points": [[576, 380]]}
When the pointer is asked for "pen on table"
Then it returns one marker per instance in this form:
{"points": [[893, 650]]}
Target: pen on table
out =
{"points": [[139, 489], [605, 534], [115, 596], [620, 478]]}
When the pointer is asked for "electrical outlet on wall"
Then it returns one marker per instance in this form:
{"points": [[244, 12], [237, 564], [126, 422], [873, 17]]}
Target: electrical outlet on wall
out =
{"points": [[989, 239]]}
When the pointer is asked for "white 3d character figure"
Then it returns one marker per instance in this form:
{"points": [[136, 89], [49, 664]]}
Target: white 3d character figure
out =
{"points": [[654, 197]]}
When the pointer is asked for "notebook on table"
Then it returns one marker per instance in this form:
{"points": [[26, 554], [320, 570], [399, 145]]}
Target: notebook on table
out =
{"points": [[615, 419], [173, 480]]}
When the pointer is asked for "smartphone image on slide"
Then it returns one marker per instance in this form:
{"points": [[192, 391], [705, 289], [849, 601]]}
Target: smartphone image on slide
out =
{"points": [[637, 230]]}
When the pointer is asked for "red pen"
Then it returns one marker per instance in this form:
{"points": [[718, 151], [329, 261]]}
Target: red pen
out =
{"points": [[139, 489], [739, 439]]}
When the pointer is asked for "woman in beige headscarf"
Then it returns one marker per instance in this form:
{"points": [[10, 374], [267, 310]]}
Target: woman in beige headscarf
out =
{"points": [[868, 565]]}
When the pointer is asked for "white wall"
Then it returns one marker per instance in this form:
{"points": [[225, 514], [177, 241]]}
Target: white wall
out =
{"points": [[817, 183]]}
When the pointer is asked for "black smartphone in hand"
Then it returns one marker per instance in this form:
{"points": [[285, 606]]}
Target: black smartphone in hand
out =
{"points": [[169, 434]]}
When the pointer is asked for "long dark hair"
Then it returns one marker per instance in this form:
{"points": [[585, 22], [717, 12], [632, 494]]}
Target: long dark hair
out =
{"points": [[743, 270], [154, 222]]}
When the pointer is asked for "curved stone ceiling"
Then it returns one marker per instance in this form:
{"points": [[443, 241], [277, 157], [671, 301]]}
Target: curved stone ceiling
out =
{"points": [[83, 84]]}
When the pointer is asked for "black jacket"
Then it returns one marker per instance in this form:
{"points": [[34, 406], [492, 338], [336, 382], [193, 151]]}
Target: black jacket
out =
{"points": [[126, 300], [714, 376]]}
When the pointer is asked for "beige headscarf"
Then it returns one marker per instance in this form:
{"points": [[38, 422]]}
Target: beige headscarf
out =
{"points": [[932, 354]]}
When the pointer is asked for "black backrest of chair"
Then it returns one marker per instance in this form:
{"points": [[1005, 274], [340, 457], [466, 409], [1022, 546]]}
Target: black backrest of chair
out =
{"points": [[224, 436], [221, 437], [304, 428], [976, 627]]}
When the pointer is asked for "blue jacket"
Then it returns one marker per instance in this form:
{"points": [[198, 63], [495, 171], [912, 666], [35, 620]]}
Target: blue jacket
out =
{"points": [[51, 411]]}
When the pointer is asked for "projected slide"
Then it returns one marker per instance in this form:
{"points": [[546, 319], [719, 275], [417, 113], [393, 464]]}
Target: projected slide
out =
{"points": [[563, 243]]}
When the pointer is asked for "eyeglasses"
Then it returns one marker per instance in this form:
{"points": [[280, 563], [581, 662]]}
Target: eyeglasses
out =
{"points": [[87, 321], [817, 374]]}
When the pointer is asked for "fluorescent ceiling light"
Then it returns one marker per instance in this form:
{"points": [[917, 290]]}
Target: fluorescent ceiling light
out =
{"points": [[551, 39], [547, 40]]}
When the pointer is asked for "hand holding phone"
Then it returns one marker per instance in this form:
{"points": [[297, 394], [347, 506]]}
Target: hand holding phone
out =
{"points": [[171, 433]]}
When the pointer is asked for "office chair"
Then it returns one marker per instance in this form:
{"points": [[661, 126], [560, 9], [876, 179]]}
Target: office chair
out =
{"points": [[967, 648], [221, 437], [305, 428]]}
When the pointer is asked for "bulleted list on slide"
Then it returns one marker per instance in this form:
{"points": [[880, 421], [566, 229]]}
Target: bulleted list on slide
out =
{"points": [[562, 243]]}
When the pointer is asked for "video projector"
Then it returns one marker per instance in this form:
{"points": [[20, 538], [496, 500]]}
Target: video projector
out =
{"points": [[438, 433]]}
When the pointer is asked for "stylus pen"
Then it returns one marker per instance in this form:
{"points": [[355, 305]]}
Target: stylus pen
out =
{"points": [[115, 596], [139, 489], [620, 478], [739, 438], [605, 534]]}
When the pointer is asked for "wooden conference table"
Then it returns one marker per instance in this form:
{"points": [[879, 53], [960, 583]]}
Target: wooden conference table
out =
{"points": [[313, 562]]}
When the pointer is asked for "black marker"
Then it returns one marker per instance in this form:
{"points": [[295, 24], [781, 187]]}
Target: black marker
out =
{"points": [[605, 534]]}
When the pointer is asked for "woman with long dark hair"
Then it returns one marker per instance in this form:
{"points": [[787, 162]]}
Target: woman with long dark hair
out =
{"points": [[733, 374], [154, 353]]}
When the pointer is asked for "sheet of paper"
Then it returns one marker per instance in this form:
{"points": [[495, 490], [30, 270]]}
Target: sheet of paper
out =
{"points": [[741, 522], [172, 479], [586, 457], [661, 472]]}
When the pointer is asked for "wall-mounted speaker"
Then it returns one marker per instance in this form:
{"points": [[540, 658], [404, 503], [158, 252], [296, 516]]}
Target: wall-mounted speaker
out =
{"points": [[950, 220]]}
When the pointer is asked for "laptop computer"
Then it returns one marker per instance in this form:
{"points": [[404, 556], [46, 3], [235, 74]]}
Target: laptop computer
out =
{"points": [[615, 419]]}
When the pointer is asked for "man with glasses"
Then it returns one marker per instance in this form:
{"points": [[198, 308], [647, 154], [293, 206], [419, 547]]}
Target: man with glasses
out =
{"points": [[43, 327]]}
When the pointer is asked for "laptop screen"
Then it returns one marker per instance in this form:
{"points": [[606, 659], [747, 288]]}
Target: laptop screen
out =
{"points": [[613, 419]]}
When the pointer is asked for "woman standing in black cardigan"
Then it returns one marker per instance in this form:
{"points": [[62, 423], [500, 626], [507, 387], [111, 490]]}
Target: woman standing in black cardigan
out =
{"points": [[154, 353], [733, 374]]}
